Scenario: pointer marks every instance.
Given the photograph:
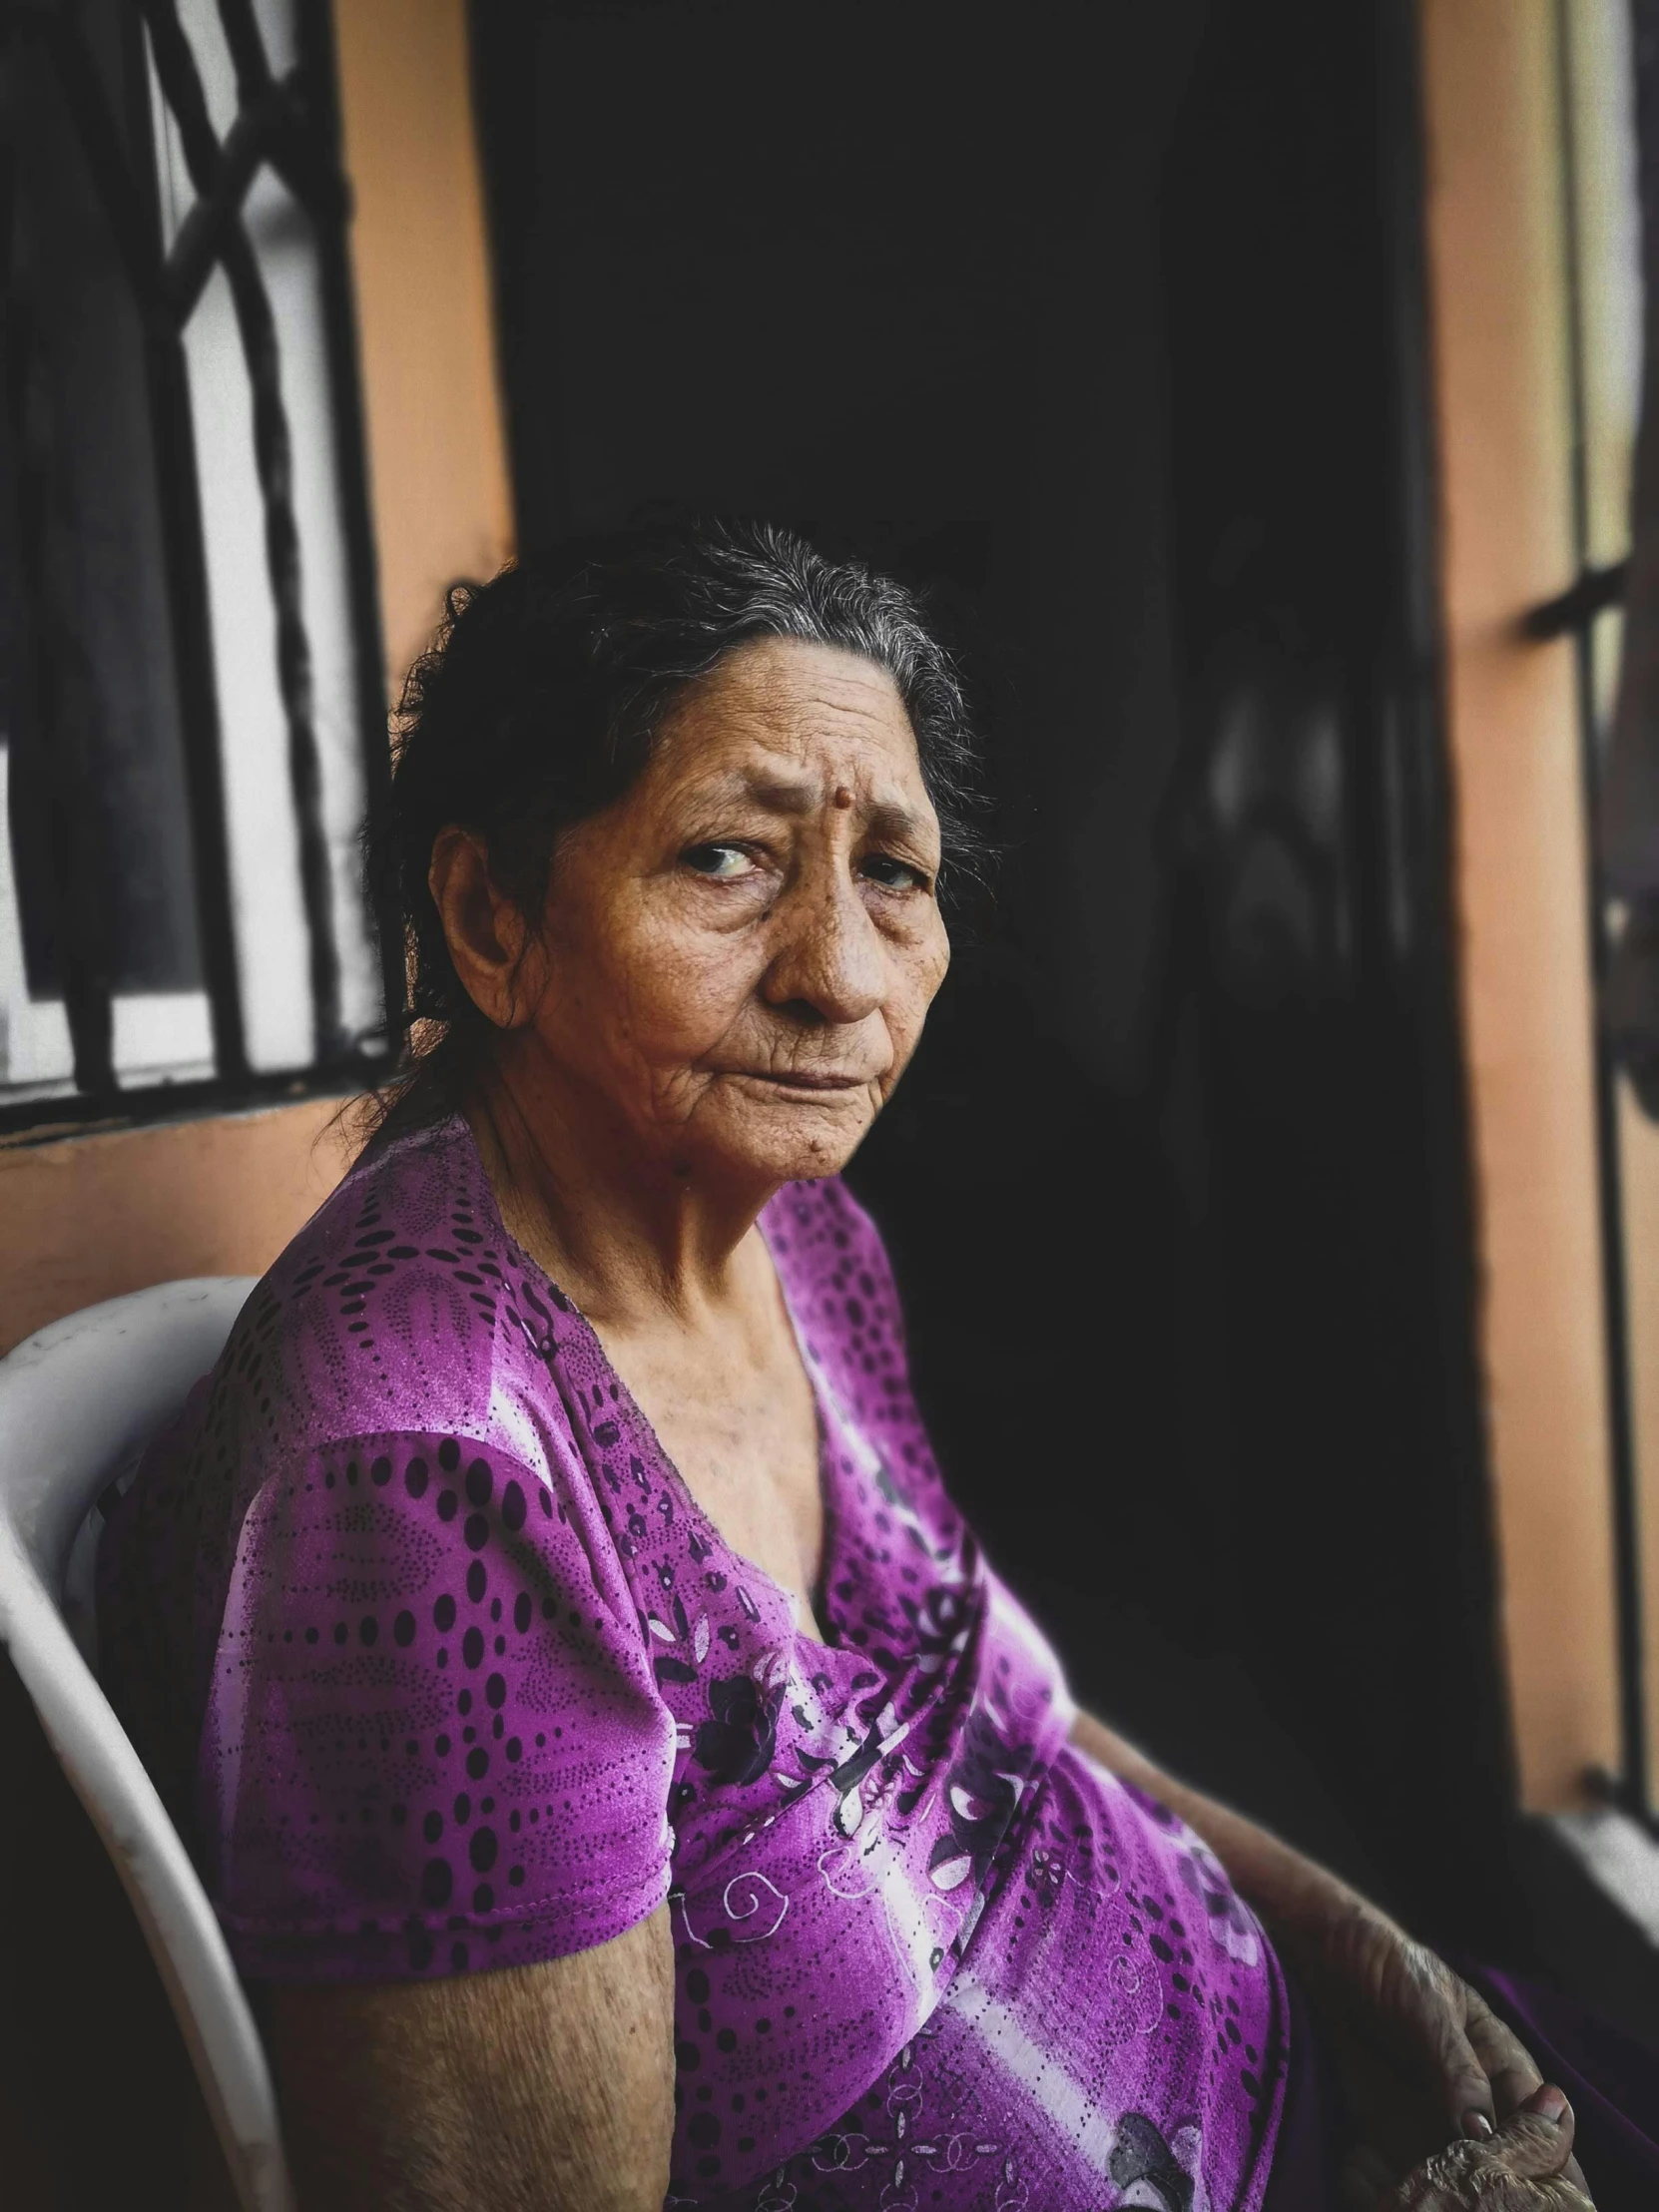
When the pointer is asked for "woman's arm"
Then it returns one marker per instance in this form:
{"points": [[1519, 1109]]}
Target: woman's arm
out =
{"points": [[1290, 1891], [1295, 1897], [545, 2088], [1422, 2055]]}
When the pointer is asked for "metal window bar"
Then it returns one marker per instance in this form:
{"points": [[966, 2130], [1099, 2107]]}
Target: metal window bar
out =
{"points": [[1573, 612], [1634, 1781], [48, 674], [290, 124], [1573, 616]]}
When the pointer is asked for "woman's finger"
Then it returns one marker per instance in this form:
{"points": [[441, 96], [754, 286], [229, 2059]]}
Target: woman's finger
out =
{"points": [[1511, 2069], [1535, 2141], [1467, 2091], [1437, 2012], [1532, 2146], [1509, 2064]]}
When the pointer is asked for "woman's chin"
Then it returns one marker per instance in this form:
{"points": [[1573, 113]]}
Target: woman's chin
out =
{"points": [[785, 1137]]}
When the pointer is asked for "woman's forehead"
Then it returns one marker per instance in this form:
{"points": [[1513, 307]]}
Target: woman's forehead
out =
{"points": [[785, 719], [779, 785]]}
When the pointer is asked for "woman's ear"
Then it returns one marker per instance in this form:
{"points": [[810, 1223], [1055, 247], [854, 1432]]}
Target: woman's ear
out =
{"points": [[486, 931]]}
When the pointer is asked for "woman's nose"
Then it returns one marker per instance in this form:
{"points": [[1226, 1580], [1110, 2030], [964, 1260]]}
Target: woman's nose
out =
{"points": [[831, 959]]}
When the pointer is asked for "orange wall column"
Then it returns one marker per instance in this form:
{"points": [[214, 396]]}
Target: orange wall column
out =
{"points": [[1499, 306]]}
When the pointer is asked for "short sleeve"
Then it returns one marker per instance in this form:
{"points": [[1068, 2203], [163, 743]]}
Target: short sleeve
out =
{"points": [[432, 1741]]}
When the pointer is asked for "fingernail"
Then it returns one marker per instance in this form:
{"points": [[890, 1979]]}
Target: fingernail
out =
{"points": [[1478, 2126], [1548, 2103]]}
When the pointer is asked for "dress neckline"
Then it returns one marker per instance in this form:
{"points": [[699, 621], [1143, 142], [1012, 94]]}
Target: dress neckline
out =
{"points": [[825, 1411]]}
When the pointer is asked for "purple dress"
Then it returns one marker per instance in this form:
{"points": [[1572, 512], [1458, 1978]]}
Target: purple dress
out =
{"points": [[440, 1667]]}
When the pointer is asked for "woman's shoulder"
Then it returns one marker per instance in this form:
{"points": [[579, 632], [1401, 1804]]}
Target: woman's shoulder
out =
{"points": [[400, 1306], [409, 1187]]}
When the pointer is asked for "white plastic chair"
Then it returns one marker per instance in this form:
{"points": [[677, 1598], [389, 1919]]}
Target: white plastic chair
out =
{"points": [[78, 1403]]}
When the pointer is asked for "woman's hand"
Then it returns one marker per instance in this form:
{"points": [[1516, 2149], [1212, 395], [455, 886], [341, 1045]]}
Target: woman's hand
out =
{"points": [[1522, 2167], [1420, 2055], [1436, 2046]]}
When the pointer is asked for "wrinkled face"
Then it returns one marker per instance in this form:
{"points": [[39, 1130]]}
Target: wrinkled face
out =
{"points": [[740, 951]]}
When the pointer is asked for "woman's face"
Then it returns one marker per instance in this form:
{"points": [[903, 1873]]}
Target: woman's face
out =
{"points": [[740, 952]]}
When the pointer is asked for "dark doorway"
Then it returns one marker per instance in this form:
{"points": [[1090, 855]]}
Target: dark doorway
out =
{"points": [[1103, 324]]}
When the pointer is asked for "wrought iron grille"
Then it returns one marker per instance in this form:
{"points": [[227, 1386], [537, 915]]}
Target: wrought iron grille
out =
{"points": [[121, 84]]}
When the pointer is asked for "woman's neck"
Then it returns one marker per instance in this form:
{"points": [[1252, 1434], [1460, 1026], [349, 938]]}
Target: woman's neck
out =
{"points": [[633, 1242]]}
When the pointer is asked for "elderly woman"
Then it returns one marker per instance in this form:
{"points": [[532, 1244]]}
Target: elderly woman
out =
{"points": [[610, 1756]]}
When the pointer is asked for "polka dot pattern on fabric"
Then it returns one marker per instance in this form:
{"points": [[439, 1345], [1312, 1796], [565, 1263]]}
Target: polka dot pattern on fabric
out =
{"points": [[440, 1667]]}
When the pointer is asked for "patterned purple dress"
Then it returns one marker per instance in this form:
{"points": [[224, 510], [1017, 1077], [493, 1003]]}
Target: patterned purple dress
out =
{"points": [[441, 1668]]}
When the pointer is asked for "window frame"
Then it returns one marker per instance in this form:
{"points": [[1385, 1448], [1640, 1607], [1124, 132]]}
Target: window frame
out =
{"points": [[291, 124]]}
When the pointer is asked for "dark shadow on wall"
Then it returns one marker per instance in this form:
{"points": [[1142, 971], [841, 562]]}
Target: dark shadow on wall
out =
{"points": [[1102, 322]]}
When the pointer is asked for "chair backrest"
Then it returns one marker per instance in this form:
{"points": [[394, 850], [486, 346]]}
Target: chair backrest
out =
{"points": [[78, 1403]]}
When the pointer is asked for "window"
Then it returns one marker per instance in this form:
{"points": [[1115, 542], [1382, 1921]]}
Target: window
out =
{"points": [[1596, 101], [192, 709]]}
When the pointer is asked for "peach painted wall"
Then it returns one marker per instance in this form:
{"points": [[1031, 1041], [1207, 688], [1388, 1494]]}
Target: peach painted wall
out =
{"points": [[95, 1214], [437, 457], [104, 1214], [1499, 306]]}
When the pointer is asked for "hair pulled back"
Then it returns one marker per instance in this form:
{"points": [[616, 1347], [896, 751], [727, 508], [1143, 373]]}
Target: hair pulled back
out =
{"points": [[538, 702]]}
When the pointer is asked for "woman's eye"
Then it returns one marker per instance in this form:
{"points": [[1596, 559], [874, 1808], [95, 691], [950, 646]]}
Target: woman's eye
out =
{"points": [[893, 874], [722, 863]]}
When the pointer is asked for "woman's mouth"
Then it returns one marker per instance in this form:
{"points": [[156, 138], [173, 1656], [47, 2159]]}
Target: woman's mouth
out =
{"points": [[792, 1080]]}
